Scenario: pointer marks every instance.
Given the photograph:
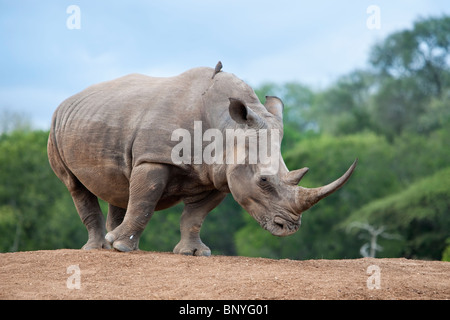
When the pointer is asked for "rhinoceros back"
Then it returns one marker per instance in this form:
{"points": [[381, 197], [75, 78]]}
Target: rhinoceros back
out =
{"points": [[101, 133]]}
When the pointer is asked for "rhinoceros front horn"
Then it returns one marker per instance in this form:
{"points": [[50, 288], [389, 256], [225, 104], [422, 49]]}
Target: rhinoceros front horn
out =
{"points": [[305, 198]]}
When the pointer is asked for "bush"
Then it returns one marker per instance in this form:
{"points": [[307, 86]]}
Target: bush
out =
{"points": [[420, 214]]}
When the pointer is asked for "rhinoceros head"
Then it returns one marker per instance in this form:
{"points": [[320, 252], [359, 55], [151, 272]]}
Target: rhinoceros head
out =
{"points": [[268, 190]]}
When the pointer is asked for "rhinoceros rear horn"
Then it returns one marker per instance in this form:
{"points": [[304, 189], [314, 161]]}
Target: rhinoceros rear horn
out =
{"points": [[275, 106], [305, 198]]}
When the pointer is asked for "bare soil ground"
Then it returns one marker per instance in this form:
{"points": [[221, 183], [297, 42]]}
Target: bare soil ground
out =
{"points": [[107, 274]]}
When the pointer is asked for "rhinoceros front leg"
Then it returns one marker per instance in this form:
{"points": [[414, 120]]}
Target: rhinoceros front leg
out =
{"points": [[147, 183], [191, 221]]}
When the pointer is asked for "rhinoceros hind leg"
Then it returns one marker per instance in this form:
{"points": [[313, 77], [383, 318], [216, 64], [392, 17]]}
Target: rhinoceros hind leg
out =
{"points": [[115, 217], [85, 202], [92, 217]]}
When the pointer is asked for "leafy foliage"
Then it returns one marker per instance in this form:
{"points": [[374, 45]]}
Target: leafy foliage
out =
{"points": [[419, 213], [36, 212]]}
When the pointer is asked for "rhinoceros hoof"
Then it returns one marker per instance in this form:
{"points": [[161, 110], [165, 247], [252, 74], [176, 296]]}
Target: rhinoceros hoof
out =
{"points": [[123, 245], [93, 245], [192, 249]]}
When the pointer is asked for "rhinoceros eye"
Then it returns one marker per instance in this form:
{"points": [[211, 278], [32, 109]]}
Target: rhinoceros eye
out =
{"points": [[265, 185]]}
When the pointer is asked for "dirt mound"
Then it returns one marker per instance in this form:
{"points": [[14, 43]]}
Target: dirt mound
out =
{"points": [[107, 274]]}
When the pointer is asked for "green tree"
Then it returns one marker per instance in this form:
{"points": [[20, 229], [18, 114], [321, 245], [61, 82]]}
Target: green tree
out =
{"points": [[405, 87], [344, 107], [35, 209], [419, 155], [420, 214], [446, 253], [413, 67], [421, 53]]}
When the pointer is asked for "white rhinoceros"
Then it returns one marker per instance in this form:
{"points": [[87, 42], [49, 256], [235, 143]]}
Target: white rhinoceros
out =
{"points": [[115, 141]]}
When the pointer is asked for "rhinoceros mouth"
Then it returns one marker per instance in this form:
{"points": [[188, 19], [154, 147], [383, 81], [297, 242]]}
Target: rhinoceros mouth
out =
{"points": [[281, 227]]}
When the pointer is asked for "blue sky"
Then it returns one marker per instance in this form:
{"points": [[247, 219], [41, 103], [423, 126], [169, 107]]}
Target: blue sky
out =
{"points": [[42, 62]]}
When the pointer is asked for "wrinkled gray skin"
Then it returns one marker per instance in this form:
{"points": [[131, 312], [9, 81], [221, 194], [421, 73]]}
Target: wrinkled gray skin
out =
{"points": [[113, 141]]}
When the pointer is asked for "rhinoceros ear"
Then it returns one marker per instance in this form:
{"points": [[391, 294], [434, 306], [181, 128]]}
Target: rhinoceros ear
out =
{"points": [[240, 113], [275, 106]]}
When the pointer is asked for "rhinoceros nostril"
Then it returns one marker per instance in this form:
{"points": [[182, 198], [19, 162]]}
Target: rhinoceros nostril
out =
{"points": [[279, 222]]}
